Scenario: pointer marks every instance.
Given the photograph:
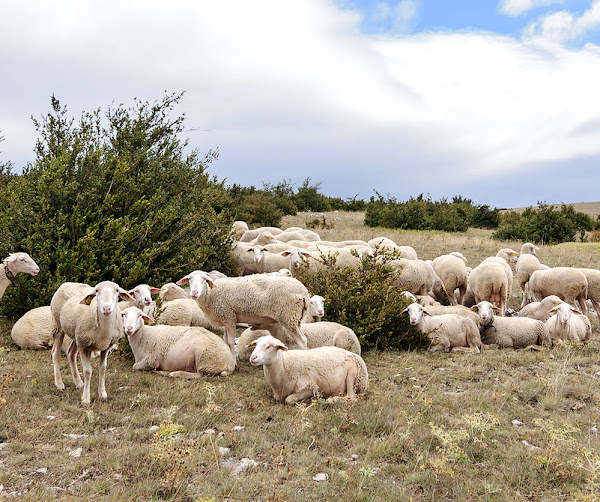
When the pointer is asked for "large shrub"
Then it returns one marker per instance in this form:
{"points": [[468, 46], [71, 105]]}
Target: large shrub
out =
{"points": [[363, 299], [112, 197]]}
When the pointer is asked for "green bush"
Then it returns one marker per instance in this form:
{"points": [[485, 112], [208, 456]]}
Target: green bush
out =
{"points": [[119, 201], [362, 299]]}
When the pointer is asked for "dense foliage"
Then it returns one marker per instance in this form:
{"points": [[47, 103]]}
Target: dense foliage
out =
{"points": [[546, 224], [112, 197], [363, 299], [423, 213]]}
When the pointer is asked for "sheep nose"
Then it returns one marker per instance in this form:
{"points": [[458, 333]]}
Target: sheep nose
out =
{"points": [[106, 309], [194, 293], [129, 329], [320, 312]]}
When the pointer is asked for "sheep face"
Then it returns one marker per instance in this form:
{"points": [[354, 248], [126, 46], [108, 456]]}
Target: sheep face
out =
{"points": [[564, 312], [133, 318], [485, 310], [285, 272], [22, 262], [416, 311], [200, 282], [316, 307], [258, 253], [297, 257], [107, 295], [143, 294], [266, 350]]}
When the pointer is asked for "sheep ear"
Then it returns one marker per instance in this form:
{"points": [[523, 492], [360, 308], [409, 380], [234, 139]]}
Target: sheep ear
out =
{"points": [[183, 280], [427, 313], [496, 309], [577, 311], [147, 319], [154, 290], [11, 257], [88, 299], [286, 253], [554, 309], [211, 284], [280, 345], [475, 307], [125, 295], [252, 344]]}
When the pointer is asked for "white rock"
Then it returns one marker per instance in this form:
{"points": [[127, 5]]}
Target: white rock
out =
{"points": [[154, 428], [224, 451], [517, 422], [76, 453], [242, 465], [530, 446], [209, 431], [354, 457], [75, 436], [238, 428], [322, 476], [43, 470], [50, 417]]}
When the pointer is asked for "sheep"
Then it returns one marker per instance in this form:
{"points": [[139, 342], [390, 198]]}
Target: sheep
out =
{"points": [[453, 273], [386, 245], [415, 276], [12, 265], [593, 294], [569, 284], [184, 312], [565, 326], [93, 322], [514, 332], [263, 239], [469, 299], [297, 375], [268, 302], [250, 235], [248, 259], [321, 334], [540, 310], [489, 282], [424, 300], [143, 298], [239, 228], [458, 254], [307, 235], [527, 264], [176, 350], [316, 309], [460, 310], [447, 332], [34, 329], [315, 260], [529, 248], [505, 263], [172, 291], [509, 255]]}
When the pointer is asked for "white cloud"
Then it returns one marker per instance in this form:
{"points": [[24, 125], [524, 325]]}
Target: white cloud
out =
{"points": [[294, 90], [398, 18], [561, 27], [519, 7]]}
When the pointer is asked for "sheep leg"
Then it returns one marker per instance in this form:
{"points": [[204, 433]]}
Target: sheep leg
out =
{"points": [[351, 378], [72, 356], [229, 337], [143, 365], [581, 299], [597, 309], [443, 344], [56, 347], [462, 291], [102, 375], [87, 375], [299, 396]]}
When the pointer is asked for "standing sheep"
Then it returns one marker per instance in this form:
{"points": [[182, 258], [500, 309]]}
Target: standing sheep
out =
{"points": [[593, 292], [13, 264], [268, 302], [517, 332], [414, 276], [569, 284], [297, 375], [177, 350], [447, 331], [489, 282], [172, 291], [94, 323], [565, 326], [527, 264], [453, 273]]}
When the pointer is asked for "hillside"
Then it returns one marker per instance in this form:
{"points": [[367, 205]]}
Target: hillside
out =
{"points": [[590, 208]]}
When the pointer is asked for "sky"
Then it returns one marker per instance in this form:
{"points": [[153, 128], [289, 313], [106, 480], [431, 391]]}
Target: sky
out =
{"points": [[495, 100]]}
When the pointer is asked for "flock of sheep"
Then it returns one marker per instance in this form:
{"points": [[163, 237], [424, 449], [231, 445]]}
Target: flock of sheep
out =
{"points": [[458, 308]]}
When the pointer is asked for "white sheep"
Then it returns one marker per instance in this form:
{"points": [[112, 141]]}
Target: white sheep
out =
{"points": [[458, 254], [250, 235], [307, 235], [567, 283], [566, 326], [540, 310], [172, 291], [488, 281], [415, 276], [34, 329], [517, 332], [321, 334], [447, 331], [593, 292], [297, 375], [527, 264], [453, 273], [267, 302], [239, 229], [94, 323], [316, 309], [460, 310], [13, 264], [177, 350], [529, 248], [263, 239], [184, 312], [143, 298], [247, 259]]}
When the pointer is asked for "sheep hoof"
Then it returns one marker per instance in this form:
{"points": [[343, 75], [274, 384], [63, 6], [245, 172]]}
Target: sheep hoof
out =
{"points": [[104, 396], [60, 387], [86, 402], [79, 385], [224, 373]]}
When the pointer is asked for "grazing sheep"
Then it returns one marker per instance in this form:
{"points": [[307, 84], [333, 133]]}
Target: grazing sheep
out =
{"points": [[540, 310], [250, 235], [527, 264], [489, 282], [184, 312], [321, 334], [94, 323], [414, 276], [453, 273], [517, 332], [507, 270], [267, 302], [447, 332], [13, 264], [565, 326], [297, 375], [177, 350], [172, 291], [239, 229], [469, 299], [567, 283], [593, 293], [508, 255]]}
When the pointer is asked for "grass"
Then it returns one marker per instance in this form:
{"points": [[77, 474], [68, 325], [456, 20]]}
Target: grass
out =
{"points": [[434, 426]]}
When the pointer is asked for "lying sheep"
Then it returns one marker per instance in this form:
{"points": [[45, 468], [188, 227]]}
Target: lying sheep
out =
{"points": [[263, 239], [94, 323], [447, 332], [172, 291], [489, 282], [267, 302], [34, 329], [321, 334], [593, 292], [297, 375], [566, 326], [184, 312], [540, 310], [248, 260], [306, 235], [514, 332], [460, 310], [250, 235], [527, 264], [453, 273], [567, 283], [12, 265], [177, 350]]}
